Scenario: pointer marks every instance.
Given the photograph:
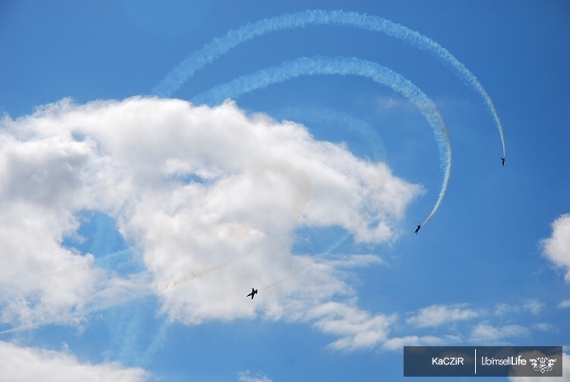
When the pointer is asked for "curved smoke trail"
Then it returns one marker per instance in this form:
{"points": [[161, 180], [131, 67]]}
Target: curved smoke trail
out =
{"points": [[232, 38], [343, 66]]}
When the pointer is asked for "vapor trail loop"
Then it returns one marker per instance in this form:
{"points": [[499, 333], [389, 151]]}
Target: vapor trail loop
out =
{"points": [[342, 66], [220, 46]]}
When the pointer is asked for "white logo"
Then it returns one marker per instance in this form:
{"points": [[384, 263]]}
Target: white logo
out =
{"points": [[542, 364]]}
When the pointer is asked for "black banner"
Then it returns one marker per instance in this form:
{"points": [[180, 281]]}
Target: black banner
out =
{"points": [[482, 361]]}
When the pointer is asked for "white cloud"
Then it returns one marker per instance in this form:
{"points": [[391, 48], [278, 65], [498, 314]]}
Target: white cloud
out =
{"points": [[557, 247], [30, 364], [544, 327], [352, 261], [564, 304], [357, 329], [397, 343], [502, 309], [204, 242], [42, 184], [565, 373], [488, 334], [245, 376], [437, 315], [391, 103], [533, 306]]}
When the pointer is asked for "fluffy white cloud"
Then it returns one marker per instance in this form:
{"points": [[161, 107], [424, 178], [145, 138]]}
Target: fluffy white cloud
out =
{"points": [[544, 327], [437, 315], [210, 197], [29, 364], [488, 334], [533, 306], [357, 329], [42, 182], [557, 247]]}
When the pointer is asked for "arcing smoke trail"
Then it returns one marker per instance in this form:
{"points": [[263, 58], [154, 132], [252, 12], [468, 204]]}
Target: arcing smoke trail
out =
{"points": [[220, 46], [343, 66]]}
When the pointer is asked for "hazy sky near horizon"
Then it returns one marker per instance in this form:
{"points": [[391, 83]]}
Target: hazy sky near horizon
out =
{"points": [[160, 159]]}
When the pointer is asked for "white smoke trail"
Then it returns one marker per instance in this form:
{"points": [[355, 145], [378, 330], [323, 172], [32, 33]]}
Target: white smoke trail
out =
{"points": [[22, 328], [288, 276], [124, 290], [174, 281], [343, 66], [233, 38], [311, 262], [156, 344]]}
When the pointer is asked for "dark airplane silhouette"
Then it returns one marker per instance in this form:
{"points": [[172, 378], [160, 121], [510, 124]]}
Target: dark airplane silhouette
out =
{"points": [[417, 229], [503, 162], [253, 293]]}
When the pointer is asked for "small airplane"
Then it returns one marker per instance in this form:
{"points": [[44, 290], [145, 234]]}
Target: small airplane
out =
{"points": [[502, 162], [417, 229], [253, 293]]}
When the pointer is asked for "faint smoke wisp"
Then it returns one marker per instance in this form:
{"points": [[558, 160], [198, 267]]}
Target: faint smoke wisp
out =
{"points": [[342, 66], [219, 46], [327, 116]]}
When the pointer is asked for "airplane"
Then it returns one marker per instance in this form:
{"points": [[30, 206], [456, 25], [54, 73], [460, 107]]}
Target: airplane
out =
{"points": [[253, 292], [503, 162], [417, 229]]}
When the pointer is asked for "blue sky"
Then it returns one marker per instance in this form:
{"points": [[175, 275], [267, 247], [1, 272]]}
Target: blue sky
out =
{"points": [[135, 222]]}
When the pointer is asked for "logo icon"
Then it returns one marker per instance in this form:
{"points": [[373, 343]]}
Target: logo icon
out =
{"points": [[542, 364]]}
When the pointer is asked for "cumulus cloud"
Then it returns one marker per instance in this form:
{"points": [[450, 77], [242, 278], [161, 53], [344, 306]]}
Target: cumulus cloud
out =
{"points": [[357, 329], [556, 248], [31, 364], [544, 327], [487, 334], [533, 306], [437, 315], [42, 183], [210, 198]]}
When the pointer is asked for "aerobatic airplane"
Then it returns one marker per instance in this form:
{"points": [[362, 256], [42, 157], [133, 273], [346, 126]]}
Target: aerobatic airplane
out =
{"points": [[417, 229], [503, 162], [253, 292]]}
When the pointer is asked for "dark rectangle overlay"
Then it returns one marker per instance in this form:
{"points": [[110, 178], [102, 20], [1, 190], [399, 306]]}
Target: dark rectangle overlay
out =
{"points": [[482, 361]]}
